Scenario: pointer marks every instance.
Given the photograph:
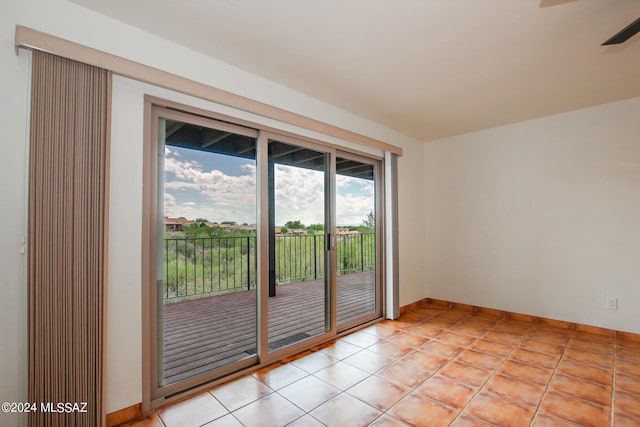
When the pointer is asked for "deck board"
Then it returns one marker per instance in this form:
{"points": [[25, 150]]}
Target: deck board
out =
{"points": [[206, 333]]}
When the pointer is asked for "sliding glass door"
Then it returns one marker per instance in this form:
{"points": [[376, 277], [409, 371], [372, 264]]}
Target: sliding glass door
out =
{"points": [[235, 286]]}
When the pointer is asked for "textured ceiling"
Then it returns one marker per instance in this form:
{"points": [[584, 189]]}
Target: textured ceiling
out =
{"points": [[427, 68]]}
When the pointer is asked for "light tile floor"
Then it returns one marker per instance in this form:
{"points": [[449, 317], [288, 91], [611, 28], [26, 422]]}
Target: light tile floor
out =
{"points": [[433, 367]]}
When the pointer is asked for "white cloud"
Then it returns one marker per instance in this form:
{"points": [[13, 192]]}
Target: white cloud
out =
{"points": [[193, 192], [299, 195], [355, 198], [214, 195], [169, 201], [353, 210], [180, 185]]}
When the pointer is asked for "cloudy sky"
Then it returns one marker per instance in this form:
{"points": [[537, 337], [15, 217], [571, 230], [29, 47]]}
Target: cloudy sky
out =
{"points": [[222, 188]]}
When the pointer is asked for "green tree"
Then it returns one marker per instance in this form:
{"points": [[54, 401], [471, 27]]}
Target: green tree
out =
{"points": [[295, 225], [316, 228], [196, 230], [369, 221]]}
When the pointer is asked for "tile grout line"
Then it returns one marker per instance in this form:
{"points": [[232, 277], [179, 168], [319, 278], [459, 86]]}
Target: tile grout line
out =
{"points": [[555, 371], [309, 374], [573, 336], [482, 386], [358, 382], [216, 419], [160, 418], [451, 360], [312, 374], [231, 412], [500, 320], [411, 389], [495, 371]]}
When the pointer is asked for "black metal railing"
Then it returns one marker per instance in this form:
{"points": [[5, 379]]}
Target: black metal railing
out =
{"points": [[216, 265], [205, 265], [299, 258]]}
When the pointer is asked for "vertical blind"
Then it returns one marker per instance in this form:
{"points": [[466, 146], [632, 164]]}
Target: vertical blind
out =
{"points": [[68, 194]]}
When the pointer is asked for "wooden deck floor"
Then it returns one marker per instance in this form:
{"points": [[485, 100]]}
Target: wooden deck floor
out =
{"points": [[203, 334]]}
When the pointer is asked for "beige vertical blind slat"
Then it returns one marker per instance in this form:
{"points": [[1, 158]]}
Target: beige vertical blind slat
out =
{"points": [[68, 191]]}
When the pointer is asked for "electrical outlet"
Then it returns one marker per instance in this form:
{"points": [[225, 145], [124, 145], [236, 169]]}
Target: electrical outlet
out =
{"points": [[612, 303]]}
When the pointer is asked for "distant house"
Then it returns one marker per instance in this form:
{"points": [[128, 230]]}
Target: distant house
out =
{"points": [[176, 224], [346, 230], [301, 231]]}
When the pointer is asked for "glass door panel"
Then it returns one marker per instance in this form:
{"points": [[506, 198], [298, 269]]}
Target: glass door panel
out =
{"points": [[357, 293], [206, 248], [298, 279]]}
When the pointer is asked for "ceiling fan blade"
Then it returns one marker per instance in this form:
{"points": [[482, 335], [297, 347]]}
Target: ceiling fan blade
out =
{"points": [[626, 33]]}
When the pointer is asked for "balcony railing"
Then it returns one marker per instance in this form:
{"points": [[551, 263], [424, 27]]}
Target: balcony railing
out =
{"points": [[216, 265]]}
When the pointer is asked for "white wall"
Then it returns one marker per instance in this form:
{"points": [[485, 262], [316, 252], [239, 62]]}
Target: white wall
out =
{"points": [[67, 20], [13, 289], [539, 217]]}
